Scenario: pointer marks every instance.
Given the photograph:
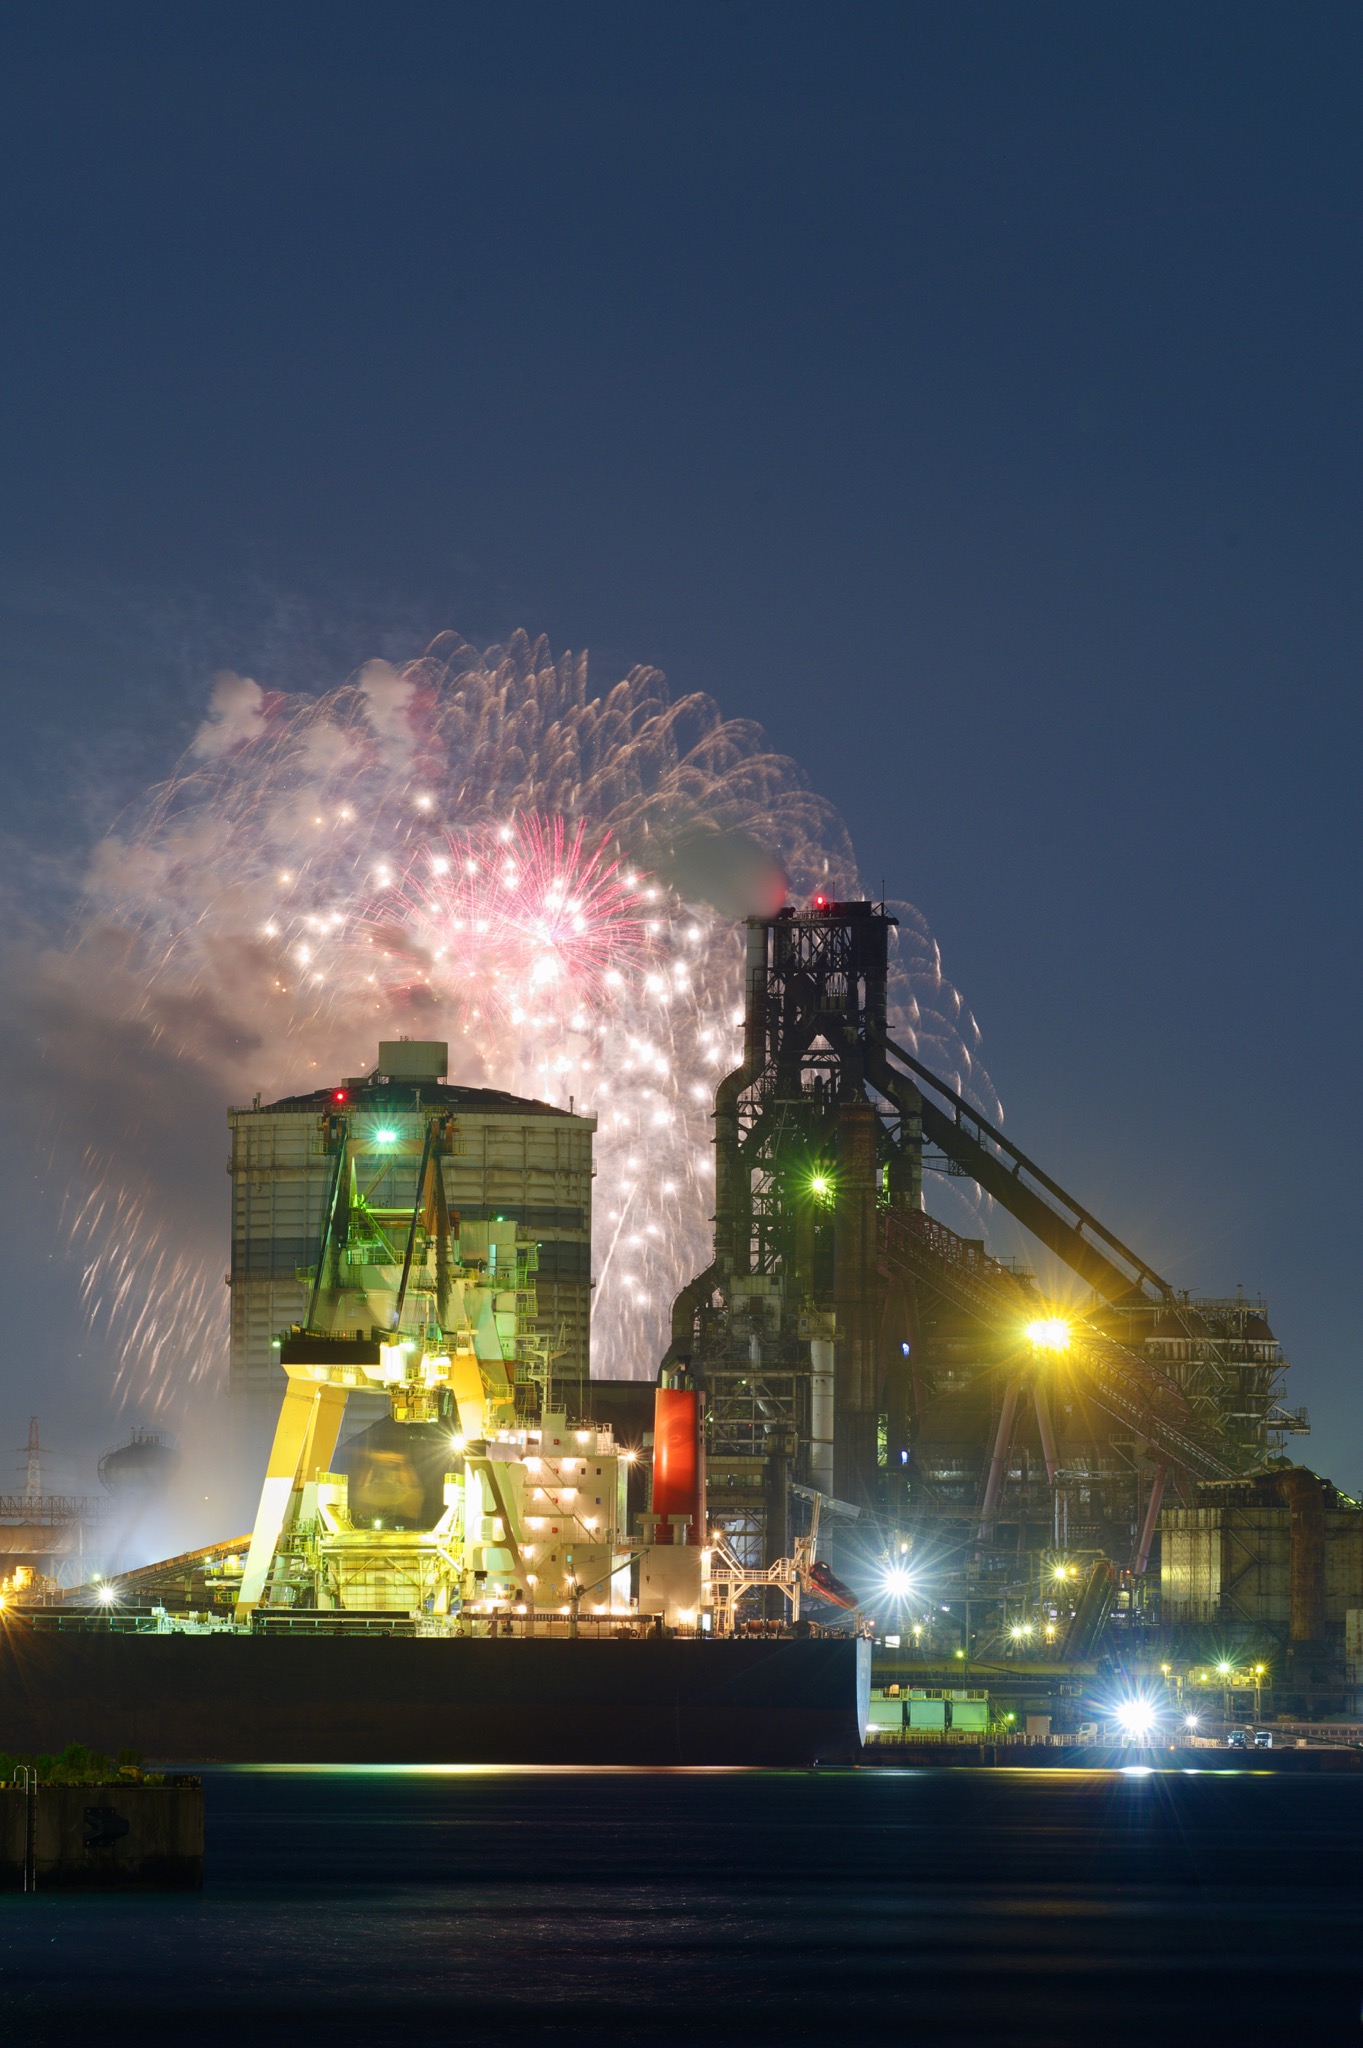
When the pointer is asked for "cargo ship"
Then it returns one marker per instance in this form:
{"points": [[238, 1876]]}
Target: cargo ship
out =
{"points": [[290, 1698]]}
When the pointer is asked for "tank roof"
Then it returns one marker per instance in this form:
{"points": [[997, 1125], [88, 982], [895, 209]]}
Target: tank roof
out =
{"points": [[373, 1092], [1166, 1328]]}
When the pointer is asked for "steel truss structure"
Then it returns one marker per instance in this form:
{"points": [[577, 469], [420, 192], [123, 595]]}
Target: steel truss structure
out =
{"points": [[849, 1342]]}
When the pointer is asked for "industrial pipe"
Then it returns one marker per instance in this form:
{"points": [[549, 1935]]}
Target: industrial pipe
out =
{"points": [[728, 1260], [1046, 1431], [821, 1415], [1304, 1494], [685, 1308], [1003, 1438], [1152, 1507], [731, 1229]]}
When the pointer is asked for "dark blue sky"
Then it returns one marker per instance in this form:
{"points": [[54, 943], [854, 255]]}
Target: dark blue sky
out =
{"points": [[971, 394]]}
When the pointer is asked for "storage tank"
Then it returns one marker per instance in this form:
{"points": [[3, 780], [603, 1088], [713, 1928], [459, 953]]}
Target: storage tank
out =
{"points": [[140, 1468], [512, 1161]]}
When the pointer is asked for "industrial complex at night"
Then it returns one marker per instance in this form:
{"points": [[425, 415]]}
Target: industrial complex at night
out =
{"points": [[679, 799], [865, 1427]]}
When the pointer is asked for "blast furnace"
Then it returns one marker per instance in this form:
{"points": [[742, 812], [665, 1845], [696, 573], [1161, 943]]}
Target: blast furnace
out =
{"points": [[853, 1347]]}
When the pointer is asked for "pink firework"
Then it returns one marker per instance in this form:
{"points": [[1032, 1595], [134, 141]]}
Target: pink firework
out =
{"points": [[301, 888], [533, 921]]}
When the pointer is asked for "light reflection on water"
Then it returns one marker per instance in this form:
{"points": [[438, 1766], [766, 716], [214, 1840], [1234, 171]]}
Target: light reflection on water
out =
{"points": [[444, 1904]]}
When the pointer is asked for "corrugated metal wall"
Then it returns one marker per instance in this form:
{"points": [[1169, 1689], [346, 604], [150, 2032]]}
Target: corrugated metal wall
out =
{"points": [[1235, 1564]]}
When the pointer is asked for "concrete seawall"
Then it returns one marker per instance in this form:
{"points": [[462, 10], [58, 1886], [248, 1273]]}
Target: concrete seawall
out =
{"points": [[55, 1837]]}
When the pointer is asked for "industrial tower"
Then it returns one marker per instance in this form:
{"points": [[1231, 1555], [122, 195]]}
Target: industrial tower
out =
{"points": [[850, 1343]]}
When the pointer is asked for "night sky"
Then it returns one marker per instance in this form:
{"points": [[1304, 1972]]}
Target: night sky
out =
{"points": [[970, 394]]}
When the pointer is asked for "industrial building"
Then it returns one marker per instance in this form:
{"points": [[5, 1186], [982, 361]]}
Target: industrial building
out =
{"points": [[522, 1163], [1280, 1554], [45, 1537], [851, 1345], [1113, 1456], [471, 1497]]}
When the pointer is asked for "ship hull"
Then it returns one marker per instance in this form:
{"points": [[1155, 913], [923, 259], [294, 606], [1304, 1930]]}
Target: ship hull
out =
{"points": [[325, 1699]]}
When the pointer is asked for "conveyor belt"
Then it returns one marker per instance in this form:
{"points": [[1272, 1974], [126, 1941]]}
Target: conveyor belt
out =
{"points": [[1039, 1203]]}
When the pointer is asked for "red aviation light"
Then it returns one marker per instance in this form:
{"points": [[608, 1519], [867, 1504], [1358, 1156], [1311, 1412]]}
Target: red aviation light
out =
{"points": [[338, 1095], [821, 902]]}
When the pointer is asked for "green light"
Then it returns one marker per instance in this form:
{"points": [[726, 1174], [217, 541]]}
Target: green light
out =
{"points": [[384, 1137], [818, 1186]]}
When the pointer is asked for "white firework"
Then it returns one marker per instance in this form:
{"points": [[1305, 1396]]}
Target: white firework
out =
{"points": [[474, 847]]}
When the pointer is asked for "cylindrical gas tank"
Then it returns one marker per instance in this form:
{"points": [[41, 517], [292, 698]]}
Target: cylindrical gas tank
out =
{"points": [[678, 1463], [141, 1468]]}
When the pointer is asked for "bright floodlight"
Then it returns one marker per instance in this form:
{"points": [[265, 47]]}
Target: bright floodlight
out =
{"points": [[106, 1596], [1050, 1333], [384, 1137], [818, 1185], [1224, 1669], [1136, 1718], [897, 1583], [1192, 1720]]}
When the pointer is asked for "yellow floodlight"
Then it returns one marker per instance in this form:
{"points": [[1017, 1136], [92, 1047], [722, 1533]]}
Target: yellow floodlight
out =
{"points": [[1049, 1333]]}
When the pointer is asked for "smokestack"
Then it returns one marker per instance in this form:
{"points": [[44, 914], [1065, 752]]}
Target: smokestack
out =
{"points": [[678, 1459]]}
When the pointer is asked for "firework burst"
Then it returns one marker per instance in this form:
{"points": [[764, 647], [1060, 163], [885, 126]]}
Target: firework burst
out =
{"points": [[474, 847], [533, 921]]}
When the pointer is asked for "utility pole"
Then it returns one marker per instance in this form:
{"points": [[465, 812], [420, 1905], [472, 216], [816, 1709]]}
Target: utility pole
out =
{"points": [[33, 1468]]}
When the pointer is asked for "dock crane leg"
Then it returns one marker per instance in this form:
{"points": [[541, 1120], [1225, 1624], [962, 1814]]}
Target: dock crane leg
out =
{"points": [[304, 1440]]}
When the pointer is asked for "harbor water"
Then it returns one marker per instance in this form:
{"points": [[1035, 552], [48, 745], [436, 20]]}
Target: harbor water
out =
{"points": [[576, 1907]]}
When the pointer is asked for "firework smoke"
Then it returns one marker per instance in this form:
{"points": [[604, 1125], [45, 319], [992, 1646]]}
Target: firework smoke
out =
{"points": [[472, 847]]}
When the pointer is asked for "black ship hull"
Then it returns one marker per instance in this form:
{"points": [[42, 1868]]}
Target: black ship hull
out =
{"points": [[293, 1699]]}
